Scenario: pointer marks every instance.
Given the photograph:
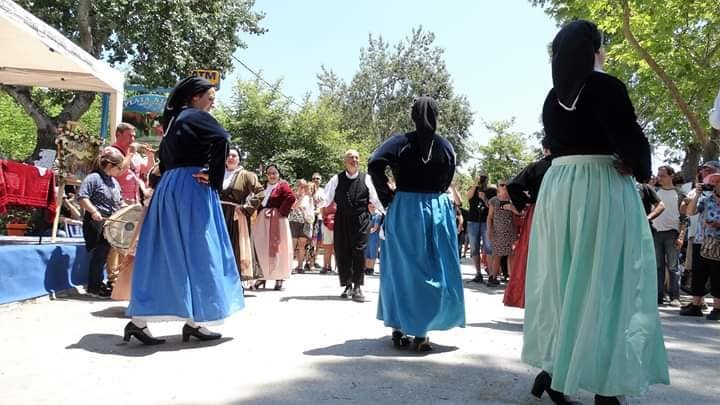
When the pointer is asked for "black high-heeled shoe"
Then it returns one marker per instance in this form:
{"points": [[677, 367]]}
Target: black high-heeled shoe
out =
{"points": [[258, 284], [188, 331], [542, 384], [421, 344], [601, 400], [400, 340], [139, 333]]}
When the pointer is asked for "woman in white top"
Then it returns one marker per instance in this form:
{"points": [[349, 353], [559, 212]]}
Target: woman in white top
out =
{"points": [[301, 220]]}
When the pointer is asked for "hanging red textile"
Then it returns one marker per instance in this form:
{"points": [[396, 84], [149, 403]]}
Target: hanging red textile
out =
{"points": [[22, 184]]}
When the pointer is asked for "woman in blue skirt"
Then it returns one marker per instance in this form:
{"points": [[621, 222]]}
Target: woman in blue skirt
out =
{"points": [[591, 318], [184, 266], [420, 282]]}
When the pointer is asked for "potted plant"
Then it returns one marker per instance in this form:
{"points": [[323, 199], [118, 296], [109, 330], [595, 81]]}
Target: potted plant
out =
{"points": [[16, 220]]}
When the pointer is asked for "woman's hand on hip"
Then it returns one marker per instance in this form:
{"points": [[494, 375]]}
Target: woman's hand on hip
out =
{"points": [[202, 177]]}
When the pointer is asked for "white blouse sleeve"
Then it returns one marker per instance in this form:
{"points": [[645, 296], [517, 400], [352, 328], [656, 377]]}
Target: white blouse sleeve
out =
{"points": [[715, 113], [329, 192]]}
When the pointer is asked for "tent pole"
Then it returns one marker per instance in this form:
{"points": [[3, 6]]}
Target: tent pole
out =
{"points": [[105, 117]]}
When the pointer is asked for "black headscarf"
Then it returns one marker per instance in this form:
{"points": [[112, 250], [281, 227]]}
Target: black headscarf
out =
{"points": [[573, 59], [424, 114], [181, 95]]}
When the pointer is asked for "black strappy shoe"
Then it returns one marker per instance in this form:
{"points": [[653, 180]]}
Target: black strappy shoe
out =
{"points": [[421, 344], [139, 333], [188, 331], [400, 340]]}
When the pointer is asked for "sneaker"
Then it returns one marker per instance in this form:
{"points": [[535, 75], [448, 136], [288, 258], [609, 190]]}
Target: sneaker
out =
{"points": [[675, 303], [357, 295], [714, 315], [478, 278], [348, 292], [691, 310]]}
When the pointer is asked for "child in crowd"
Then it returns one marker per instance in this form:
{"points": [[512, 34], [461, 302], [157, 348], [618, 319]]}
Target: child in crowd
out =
{"points": [[373, 244], [100, 197]]}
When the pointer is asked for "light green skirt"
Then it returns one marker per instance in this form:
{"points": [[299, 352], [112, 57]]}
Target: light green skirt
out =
{"points": [[591, 317]]}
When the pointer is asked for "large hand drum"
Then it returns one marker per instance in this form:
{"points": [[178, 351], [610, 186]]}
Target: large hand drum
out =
{"points": [[120, 228]]}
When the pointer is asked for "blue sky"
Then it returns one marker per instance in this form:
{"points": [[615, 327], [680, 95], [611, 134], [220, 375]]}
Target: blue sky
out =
{"points": [[496, 51]]}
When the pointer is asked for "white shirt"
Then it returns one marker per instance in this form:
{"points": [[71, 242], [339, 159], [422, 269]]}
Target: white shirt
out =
{"points": [[226, 179], [319, 197], [306, 204], [268, 190], [715, 113], [670, 218], [332, 185]]}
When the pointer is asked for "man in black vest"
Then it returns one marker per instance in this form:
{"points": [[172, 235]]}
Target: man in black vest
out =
{"points": [[351, 191]]}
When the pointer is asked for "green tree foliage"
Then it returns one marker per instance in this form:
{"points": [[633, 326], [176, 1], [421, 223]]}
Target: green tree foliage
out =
{"points": [[667, 53], [376, 103], [303, 141], [159, 41], [506, 154], [17, 130]]}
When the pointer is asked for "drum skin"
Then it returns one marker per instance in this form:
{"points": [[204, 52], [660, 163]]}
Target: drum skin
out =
{"points": [[120, 227]]}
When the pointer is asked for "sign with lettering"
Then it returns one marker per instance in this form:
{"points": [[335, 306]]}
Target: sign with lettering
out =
{"points": [[213, 76], [144, 104]]}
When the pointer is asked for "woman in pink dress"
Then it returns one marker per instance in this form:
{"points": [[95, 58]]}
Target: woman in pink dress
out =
{"points": [[271, 232]]}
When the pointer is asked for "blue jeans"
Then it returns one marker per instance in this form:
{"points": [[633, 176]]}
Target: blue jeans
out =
{"points": [[666, 254], [477, 232]]}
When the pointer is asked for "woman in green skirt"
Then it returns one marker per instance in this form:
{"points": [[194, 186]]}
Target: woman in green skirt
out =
{"points": [[591, 319]]}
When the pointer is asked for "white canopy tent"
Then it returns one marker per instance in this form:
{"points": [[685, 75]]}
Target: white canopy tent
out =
{"points": [[33, 53]]}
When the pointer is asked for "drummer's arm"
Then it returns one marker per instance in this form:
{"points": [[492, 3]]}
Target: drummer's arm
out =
{"points": [[88, 206], [141, 185]]}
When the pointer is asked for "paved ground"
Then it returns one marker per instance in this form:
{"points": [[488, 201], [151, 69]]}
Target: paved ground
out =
{"points": [[301, 345]]}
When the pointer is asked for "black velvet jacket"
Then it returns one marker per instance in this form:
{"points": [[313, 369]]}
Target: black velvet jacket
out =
{"points": [[604, 123], [404, 154], [524, 188], [195, 138]]}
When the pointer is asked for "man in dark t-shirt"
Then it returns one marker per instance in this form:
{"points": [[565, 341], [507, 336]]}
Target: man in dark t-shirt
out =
{"points": [[652, 204], [478, 197]]}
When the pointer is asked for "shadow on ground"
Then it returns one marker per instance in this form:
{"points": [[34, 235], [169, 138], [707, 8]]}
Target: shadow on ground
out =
{"points": [[381, 347], [111, 312], [393, 380], [102, 343], [499, 325], [313, 298]]}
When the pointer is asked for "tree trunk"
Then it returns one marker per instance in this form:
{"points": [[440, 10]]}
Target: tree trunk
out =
{"points": [[47, 125], [711, 148], [45, 137], [691, 162]]}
